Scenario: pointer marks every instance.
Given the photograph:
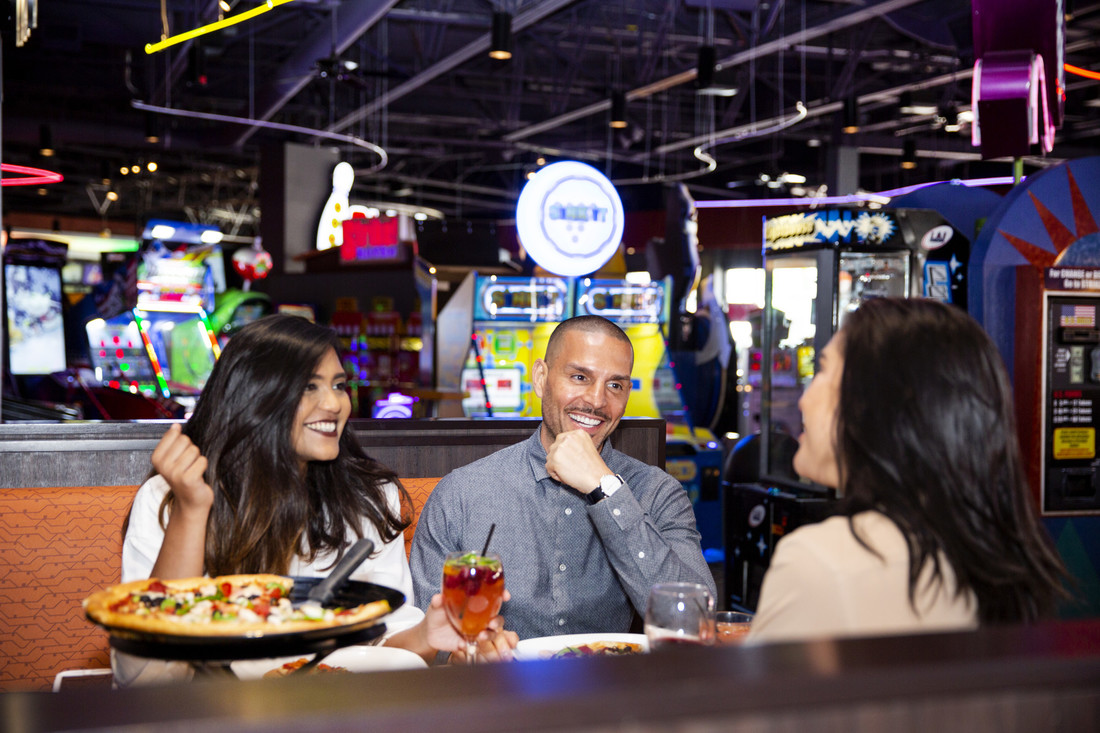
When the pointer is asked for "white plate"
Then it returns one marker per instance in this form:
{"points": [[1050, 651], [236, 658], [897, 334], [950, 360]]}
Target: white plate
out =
{"points": [[352, 658], [545, 647]]}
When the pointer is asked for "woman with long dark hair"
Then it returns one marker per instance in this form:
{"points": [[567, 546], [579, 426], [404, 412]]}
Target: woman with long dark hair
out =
{"points": [[910, 417], [264, 478]]}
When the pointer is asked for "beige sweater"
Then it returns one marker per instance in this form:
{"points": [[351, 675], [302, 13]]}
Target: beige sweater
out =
{"points": [[823, 583]]}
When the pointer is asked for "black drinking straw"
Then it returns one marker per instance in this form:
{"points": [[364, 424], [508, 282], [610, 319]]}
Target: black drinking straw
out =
{"points": [[487, 539]]}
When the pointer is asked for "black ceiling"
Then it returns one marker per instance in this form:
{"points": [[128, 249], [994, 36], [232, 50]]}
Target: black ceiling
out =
{"points": [[460, 129]]}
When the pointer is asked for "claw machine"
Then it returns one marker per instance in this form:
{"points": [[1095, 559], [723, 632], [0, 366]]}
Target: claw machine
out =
{"points": [[818, 267]]}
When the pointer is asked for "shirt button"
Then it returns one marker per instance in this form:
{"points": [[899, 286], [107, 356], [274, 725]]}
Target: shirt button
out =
{"points": [[562, 567], [641, 555], [561, 622], [568, 512], [616, 512]]}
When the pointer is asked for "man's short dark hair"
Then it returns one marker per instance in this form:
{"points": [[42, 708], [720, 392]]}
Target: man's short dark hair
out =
{"points": [[591, 324]]}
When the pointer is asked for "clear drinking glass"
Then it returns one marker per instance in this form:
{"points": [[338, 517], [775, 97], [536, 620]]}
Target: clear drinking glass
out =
{"points": [[730, 627], [679, 614], [473, 590]]}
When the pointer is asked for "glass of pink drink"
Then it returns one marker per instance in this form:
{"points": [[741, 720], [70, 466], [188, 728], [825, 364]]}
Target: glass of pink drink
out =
{"points": [[473, 590]]}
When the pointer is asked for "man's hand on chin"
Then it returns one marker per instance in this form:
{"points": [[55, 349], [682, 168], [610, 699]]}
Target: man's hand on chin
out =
{"points": [[574, 461]]}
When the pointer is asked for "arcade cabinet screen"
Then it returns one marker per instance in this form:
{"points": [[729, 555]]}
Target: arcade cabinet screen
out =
{"points": [[182, 344], [93, 273], [118, 353], [36, 331], [249, 312]]}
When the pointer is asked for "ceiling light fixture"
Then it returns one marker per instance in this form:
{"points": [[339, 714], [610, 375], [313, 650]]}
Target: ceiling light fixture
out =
{"points": [[950, 116], [151, 48], [704, 73], [909, 154], [850, 119], [618, 110], [152, 128], [501, 47], [907, 106], [45, 141]]}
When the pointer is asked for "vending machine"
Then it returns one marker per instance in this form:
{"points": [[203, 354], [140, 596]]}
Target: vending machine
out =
{"points": [[1070, 388]]}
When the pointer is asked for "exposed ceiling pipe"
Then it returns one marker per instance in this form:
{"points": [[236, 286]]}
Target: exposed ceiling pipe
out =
{"points": [[685, 77], [479, 47], [818, 108], [355, 19]]}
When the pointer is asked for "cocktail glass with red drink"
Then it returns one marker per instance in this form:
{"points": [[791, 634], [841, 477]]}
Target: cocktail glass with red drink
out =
{"points": [[473, 591]]}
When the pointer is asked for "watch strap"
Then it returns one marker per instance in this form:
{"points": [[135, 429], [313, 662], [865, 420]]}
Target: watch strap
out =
{"points": [[595, 496]]}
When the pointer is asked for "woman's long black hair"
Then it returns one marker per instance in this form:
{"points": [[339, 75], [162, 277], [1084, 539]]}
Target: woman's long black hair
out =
{"points": [[926, 434], [265, 509]]}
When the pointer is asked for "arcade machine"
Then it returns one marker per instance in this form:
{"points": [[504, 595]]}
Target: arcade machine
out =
{"points": [[384, 353], [235, 307], [668, 356], [642, 310], [34, 330], [818, 267], [175, 294], [512, 319]]}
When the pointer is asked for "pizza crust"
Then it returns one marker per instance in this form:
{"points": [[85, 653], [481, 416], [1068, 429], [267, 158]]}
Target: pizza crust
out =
{"points": [[99, 607]]}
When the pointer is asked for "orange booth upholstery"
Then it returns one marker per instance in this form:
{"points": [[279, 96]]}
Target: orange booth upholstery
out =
{"points": [[58, 546]]}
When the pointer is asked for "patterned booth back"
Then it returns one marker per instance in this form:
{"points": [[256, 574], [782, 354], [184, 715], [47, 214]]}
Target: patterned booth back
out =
{"points": [[57, 547]]}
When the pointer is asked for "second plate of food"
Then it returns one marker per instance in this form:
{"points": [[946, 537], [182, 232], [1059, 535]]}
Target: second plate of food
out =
{"points": [[348, 659], [581, 645]]}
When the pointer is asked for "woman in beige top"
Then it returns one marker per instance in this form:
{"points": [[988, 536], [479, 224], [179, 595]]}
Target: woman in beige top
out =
{"points": [[910, 418]]}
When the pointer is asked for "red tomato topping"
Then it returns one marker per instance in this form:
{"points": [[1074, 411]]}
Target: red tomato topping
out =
{"points": [[157, 587], [227, 589]]}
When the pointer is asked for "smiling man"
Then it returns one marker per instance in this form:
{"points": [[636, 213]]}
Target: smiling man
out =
{"points": [[583, 530]]}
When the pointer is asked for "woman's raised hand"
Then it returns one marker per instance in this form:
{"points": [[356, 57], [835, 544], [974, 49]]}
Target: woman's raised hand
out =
{"points": [[181, 464]]}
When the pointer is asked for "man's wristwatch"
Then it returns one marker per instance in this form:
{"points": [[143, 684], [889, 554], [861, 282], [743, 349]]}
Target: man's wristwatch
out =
{"points": [[609, 484]]}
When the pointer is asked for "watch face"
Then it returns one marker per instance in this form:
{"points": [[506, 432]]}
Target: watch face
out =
{"points": [[609, 483]]}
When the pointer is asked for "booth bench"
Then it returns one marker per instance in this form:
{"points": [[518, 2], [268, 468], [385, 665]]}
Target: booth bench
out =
{"points": [[66, 488]]}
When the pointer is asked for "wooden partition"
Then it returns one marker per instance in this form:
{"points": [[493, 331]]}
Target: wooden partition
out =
{"points": [[117, 453], [1009, 680]]}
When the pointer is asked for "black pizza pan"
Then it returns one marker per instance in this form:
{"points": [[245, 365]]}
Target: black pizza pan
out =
{"points": [[193, 648]]}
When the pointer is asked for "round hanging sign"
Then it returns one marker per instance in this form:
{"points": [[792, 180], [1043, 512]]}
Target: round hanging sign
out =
{"points": [[569, 218]]}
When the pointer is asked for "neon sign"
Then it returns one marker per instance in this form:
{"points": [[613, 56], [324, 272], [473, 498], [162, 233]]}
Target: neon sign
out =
{"points": [[31, 176]]}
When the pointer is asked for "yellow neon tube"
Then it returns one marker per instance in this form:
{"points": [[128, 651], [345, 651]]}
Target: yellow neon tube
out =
{"points": [[151, 48]]}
